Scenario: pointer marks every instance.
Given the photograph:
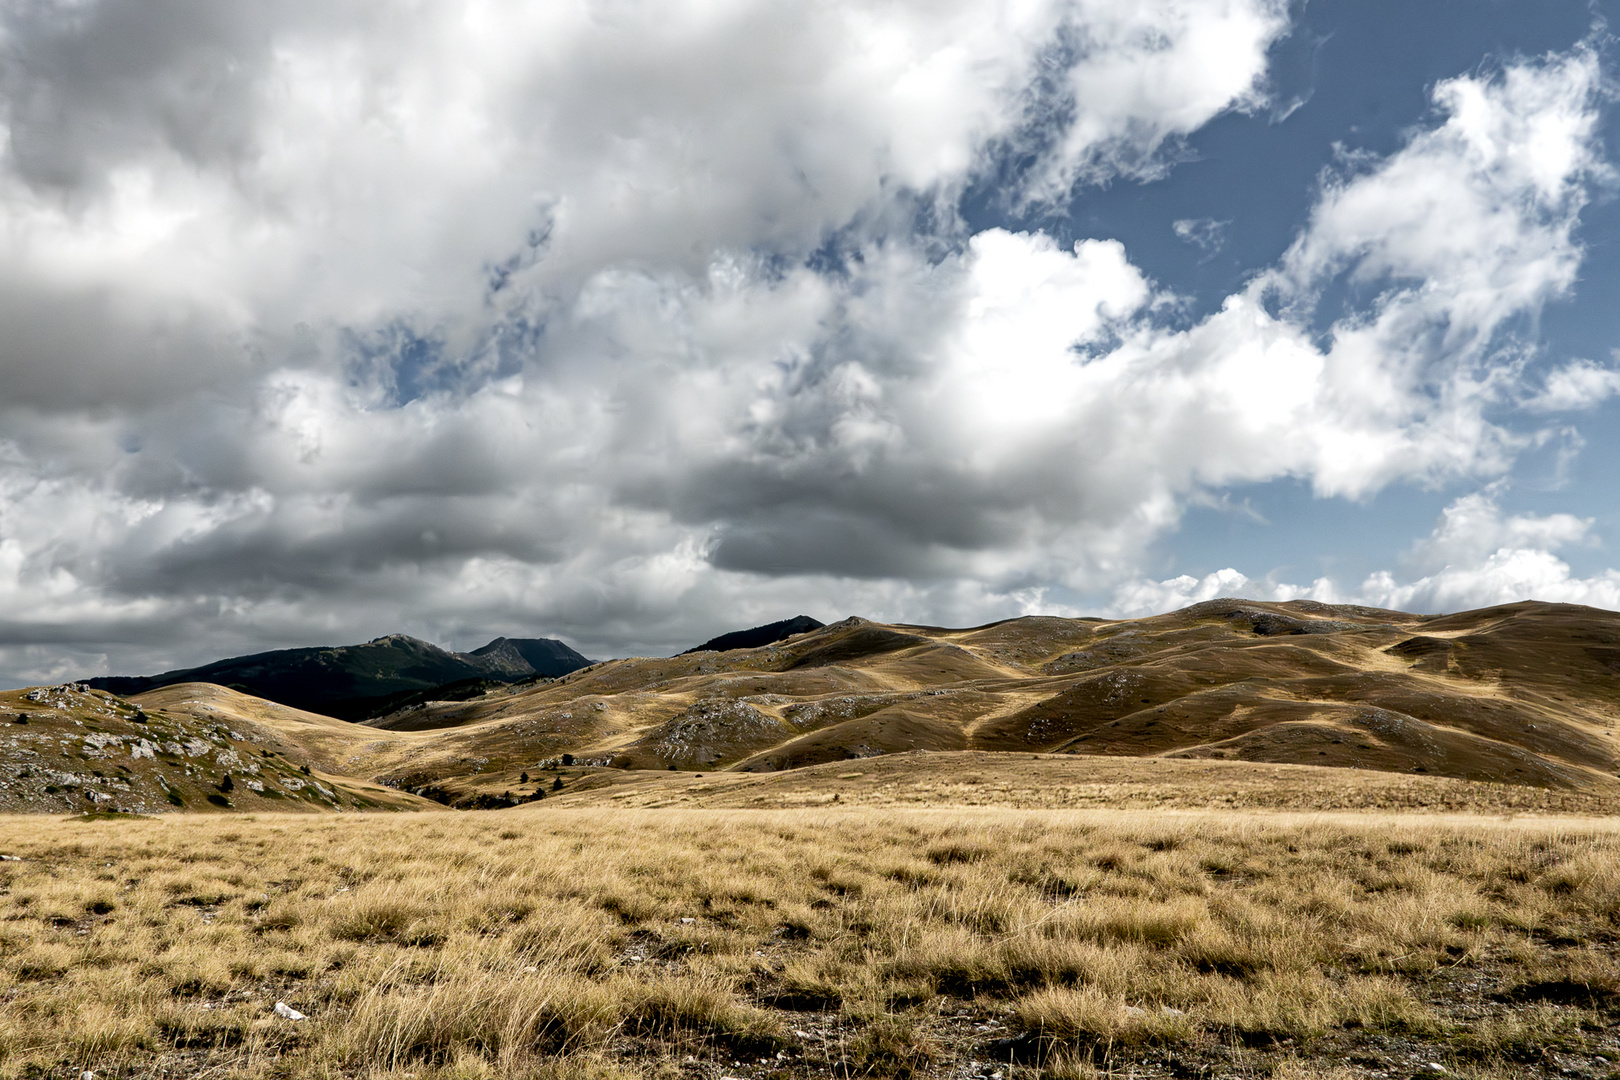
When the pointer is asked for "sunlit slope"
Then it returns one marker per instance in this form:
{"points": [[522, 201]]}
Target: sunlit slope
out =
{"points": [[389, 762], [1523, 694], [71, 748], [320, 740]]}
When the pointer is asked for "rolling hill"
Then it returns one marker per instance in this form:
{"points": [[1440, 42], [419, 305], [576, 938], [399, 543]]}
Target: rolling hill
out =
{"points": [[1525, 695], [77, 748]]}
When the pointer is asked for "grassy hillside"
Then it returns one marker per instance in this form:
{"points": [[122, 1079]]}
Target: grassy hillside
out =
{"points": [[1522, 694], [72, 748]]}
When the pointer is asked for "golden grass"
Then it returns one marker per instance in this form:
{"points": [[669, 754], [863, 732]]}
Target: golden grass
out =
{"points": [[551, 943], [976, 778], [1511, 697]]}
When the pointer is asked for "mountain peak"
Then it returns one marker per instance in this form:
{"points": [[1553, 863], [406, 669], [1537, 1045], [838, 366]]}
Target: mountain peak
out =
{"points": [[759, 636], [347, 681], [541, 656], [400, 640]]}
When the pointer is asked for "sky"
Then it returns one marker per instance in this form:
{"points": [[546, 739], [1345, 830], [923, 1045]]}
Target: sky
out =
{"points": [[631, 323]]}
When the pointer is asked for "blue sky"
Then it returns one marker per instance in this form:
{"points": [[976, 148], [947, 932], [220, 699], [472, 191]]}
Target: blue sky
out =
{"points": [[631, 323], [1363, 73]]}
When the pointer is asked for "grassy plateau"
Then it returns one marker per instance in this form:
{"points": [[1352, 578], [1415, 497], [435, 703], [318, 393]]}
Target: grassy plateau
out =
{"points": [[887, 941]]}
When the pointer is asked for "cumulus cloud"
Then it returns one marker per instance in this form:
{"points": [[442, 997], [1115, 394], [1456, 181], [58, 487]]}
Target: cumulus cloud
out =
{"points": [[1477, 556], [188, 183], [1056, 453], [1506, 576], [633, 324], [1580, 384], [1145, 596], [1480, 208]]}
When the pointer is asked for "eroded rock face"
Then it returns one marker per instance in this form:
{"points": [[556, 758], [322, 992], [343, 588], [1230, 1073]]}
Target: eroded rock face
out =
{"points": [[710, 732]]}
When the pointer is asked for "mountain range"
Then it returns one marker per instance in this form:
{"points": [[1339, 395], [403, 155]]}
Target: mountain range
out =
{"points": [[353, 682], [1517, 698]]}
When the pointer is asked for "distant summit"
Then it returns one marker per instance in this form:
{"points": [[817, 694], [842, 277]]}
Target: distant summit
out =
{"points": [[352, 682], [532, 656], [759, 635]]}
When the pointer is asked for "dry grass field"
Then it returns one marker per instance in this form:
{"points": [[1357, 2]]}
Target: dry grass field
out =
{"points": [[1240, 840], [879, 941], [972, 778]]}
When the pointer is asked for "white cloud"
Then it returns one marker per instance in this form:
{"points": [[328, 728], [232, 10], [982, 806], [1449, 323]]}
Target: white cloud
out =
{"points": [[1147, 597], [503, 317], [1471, 222], [1473, 528], [1505, 577], [206, 178], [1206, 234], [1579, 384], [964, 417], [1475, 557], [1478, 556], [1149, 73]]}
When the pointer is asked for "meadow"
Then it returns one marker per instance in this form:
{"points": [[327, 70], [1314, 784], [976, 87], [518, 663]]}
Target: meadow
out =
{"points": [[822, 942]]}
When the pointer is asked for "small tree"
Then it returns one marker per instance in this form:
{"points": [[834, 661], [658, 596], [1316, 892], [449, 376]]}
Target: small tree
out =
{"points": [[227, 784], [556, 785], [524, 778], [568, 759]]}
